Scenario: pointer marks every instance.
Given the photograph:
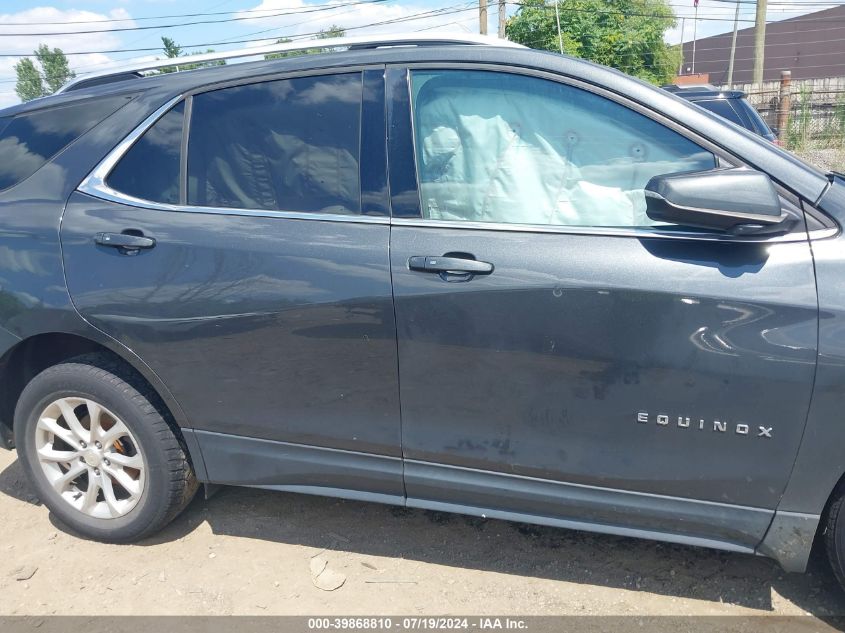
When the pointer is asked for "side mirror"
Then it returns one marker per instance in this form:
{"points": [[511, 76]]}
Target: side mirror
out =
{"points": [[731, 200]]}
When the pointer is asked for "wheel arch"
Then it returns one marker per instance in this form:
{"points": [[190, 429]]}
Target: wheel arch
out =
{"points": [[31, 355]]}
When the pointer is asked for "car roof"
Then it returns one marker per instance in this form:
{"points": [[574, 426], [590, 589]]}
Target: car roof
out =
{"points": [[759, 153], [701, 93]]}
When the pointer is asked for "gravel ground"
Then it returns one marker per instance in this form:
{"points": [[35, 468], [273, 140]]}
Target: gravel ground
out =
{"points": [[261, 553], [824, 159]]}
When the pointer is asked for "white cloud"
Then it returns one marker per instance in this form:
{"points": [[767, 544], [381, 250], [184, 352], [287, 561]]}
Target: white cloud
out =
{"points": [[361, 15], [26, 44]]}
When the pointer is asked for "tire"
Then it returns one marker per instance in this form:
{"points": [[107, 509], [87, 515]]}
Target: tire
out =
{"points": [[142, 465], [834, 535]]}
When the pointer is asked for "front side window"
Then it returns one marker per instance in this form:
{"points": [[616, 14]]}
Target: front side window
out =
{"points": [[285, 145], [506, 148]]}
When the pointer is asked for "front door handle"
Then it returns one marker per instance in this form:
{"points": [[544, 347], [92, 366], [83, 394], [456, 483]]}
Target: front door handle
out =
{"points": [[458, 265], [127, 242]]}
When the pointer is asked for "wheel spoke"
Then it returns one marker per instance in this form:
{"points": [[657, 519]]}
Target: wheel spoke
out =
{"points": [[61, 483], [126, 461], [132, 486], [94, 412], [73, 422], [114, 433], [89, 499], [49, 454], [50, 425], [109, 496]]}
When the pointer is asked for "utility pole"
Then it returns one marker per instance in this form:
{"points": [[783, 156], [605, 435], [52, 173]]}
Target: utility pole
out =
{"points": [[559, 34], [681, 65], [733, 48], [694, 35], [482, 17], [759, 43], [502, 18], [784, 104]]}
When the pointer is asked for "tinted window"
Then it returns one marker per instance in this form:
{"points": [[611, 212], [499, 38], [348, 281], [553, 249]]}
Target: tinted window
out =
{"points": [[756, 120], [496, 147], [29, 140], [723, 108], [288, 145], [150, 169]]}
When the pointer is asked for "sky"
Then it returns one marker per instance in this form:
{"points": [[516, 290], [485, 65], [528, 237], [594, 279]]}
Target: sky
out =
{"points": [[60, 22]]}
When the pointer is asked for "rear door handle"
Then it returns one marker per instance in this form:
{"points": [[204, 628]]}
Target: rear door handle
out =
{"points": [[125, 241], [434, 264]]}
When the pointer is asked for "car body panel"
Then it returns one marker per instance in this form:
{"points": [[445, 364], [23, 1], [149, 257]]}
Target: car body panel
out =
{"points": [[543, 367], [820, 462], [273, 340], [305, 305]]}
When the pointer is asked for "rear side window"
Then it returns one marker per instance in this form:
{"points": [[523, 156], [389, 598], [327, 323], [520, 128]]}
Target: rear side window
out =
{"points": [[756, 120], [150, 169], [723, 108], [286, 145], [30, 140]]}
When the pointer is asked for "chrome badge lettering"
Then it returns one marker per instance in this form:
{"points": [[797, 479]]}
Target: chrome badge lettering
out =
{"points": [[715, 426]]}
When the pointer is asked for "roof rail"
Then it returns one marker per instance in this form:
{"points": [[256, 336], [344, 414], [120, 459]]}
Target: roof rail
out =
{"points": [[124, 71]]}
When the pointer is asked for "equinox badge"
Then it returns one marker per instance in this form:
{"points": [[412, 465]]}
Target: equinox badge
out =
{"points": [[739, 428]]}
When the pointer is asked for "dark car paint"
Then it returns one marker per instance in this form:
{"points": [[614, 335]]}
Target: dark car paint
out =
{"points": [[740, 107], [469, 378]]}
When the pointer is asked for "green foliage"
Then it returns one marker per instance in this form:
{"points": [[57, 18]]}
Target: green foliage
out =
{"points": [[799, 126], [29, 85], [173, 50], [324, 34], [53, 74], [623, 34]]}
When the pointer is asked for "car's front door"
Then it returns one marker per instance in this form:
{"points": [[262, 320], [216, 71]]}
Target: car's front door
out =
{"points": [[265, 302], [561, 355]]}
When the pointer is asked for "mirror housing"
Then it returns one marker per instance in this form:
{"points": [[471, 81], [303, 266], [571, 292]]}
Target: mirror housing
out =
{"points": [[730, 200]]}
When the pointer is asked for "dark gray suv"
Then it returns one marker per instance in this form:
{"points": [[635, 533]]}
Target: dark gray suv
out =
{"points": [[468, 278]]}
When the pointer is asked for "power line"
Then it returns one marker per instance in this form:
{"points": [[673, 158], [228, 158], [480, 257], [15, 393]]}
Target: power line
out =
{"points": [[194, 23], [163, 17], [408, 18]]}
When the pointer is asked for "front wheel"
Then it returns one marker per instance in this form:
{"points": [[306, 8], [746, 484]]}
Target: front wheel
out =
{"points": [[99, 452]]}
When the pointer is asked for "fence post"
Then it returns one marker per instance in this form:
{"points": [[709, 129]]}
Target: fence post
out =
{"points": [[784, 104]]}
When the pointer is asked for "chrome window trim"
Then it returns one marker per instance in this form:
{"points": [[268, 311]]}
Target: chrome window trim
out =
{"points": [[95, 184], [724, 159], [600, 231]]}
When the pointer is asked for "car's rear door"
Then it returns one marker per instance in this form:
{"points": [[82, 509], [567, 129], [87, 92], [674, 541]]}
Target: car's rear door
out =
{"points": [[563, 357], [255, 279]]}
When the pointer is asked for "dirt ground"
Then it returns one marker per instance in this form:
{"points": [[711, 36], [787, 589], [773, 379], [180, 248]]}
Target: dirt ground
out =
{"points": [[260, 553]]}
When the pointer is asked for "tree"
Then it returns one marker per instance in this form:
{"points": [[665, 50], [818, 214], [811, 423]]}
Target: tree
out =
{"points": [[333, 31], [53, 74], [173, 50], [624, 34], [30, 85]]}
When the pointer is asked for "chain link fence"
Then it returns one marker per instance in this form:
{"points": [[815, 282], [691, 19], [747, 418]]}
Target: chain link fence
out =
{"points": [[814, 125]]}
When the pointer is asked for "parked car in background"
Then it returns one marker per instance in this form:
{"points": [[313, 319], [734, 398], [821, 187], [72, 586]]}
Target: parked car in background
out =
{"points": [[480, 279], [729, 104]]}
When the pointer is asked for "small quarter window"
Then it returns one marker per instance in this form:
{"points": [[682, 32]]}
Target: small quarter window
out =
{"points": [[29, 140], [150, 169]]}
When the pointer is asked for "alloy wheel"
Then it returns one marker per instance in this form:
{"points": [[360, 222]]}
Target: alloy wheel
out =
{"points": [[90, 457]]}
